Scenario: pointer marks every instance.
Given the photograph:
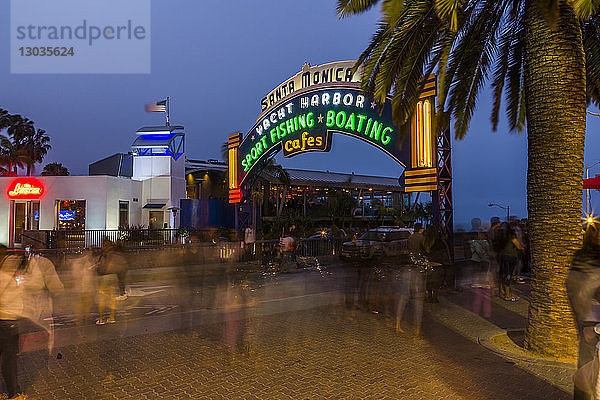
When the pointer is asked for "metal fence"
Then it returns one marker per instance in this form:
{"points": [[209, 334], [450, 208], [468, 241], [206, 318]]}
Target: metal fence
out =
{"points": [[139, 238], [313, 247], [319, 247], [129, 237]]}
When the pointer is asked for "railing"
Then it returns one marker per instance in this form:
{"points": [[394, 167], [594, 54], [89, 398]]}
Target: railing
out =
{"points": [[314, 247], [320, 247], [138, 238], [129, 237]]}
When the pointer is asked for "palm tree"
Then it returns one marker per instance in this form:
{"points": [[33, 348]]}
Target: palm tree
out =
{"points": [[544, 56], [37, 146], [24, 135], [340, 204], [5, 119], [271, 168], [35, 142], [257, 201], [55, 169], [12, 156]]}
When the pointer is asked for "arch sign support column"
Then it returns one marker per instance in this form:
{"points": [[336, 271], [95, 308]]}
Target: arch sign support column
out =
{"points": [[303, 113]]}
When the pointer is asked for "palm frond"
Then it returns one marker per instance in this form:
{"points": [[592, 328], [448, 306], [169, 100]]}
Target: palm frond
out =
{"points": [[448, 11], [509, 69], [584, 9], [441, 56], [346, 8], [474, 55], [591, 46], [515, 92]]}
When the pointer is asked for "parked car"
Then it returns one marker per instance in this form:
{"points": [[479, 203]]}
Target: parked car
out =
{"points": [[378, 243]]}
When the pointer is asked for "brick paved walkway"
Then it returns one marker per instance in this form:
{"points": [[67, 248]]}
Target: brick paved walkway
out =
{"points": [[318, 353]]}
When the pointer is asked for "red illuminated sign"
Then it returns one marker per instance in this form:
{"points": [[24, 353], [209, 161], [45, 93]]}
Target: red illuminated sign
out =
{"points": [[25, 188]]}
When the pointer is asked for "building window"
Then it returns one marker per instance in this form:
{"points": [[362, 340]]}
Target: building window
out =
{"points": [[34, 215], [123, 214], [156, 220], [70, 214]]}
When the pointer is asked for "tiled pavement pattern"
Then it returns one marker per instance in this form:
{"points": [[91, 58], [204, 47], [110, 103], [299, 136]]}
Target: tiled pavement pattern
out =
{"points": [[319, 353]]}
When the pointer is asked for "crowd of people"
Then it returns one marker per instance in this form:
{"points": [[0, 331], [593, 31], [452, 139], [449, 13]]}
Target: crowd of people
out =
{"points": [[28, 286], [497, 259], [389, 286]]}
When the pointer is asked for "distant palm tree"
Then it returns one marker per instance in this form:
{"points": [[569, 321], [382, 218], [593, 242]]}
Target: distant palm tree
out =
{"points": [[37, 146], [35, 141], [12, 156], [274, 170], [544, 56], [55, 169], [5, 119], [269, 168], [24, 135]]}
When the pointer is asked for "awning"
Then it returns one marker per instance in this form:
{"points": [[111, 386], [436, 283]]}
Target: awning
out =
{"points": [[592, 183], [155, 205]]}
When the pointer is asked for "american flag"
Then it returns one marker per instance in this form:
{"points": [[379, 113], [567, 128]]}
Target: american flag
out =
{"points": [[161, 106]]}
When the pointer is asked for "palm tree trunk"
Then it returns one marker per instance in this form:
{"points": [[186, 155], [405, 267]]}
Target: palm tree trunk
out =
{"points": [[555, 106]]}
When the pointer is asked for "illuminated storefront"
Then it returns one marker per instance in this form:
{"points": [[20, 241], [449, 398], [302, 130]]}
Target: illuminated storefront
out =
{"points": [[309, 192], [67, 203], [140, 189]]}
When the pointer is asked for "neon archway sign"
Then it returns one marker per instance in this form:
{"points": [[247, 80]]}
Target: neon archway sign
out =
{"points": [[321, 101]]}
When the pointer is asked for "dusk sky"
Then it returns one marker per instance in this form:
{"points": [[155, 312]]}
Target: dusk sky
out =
{"points": [[217, 60]]}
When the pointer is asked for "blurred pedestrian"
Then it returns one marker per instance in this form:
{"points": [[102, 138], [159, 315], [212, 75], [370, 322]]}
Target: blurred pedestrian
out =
{"points": [[519, 266], [41, 287], [410, 286], [84, 284], [482, 278], [11, 308], [583, 290], [507, 259], [476, 225], [494, 236], [233, 304], [286, 247], [415, 241], [410, 281], [437, 254], [111, 269]]}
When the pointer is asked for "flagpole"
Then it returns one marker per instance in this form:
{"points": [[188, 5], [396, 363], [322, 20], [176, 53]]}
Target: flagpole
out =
{"points": [[168, 106]]}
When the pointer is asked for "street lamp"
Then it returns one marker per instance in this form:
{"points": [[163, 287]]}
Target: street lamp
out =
{"points": [[507, 208]]}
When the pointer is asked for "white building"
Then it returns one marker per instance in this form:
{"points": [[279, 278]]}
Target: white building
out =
{"points": [[149, 198]]}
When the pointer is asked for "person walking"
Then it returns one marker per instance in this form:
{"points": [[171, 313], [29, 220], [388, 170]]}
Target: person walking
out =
{"points": [[410, 281], [410, 286], [415, 241], [507, 257], [11, 307], [41, 287], [481, 283], [84, 285], [437, 254], [583, 290]]}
